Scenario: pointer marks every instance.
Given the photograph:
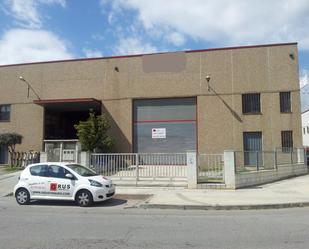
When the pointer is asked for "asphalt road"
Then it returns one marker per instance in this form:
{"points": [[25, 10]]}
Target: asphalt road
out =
{"points": [[117, 224]]}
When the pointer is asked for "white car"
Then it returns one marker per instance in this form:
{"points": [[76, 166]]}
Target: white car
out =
{"points": [[62, 181]]}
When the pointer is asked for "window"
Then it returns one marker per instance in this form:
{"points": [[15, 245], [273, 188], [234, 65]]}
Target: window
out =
{"points": [[304, 130], [285, 102], [307, 129], [286, 140], [39, 170], [252, 148], [57, 171], [251, 103], [5, 111]]}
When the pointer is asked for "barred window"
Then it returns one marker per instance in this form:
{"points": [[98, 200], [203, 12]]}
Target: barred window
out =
{"points": [[285, 102], [5, 111], [287, 139], [251, 103]]}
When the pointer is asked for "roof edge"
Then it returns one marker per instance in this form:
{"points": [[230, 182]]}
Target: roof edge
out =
{"points": [[305, 111], [138, 55]]}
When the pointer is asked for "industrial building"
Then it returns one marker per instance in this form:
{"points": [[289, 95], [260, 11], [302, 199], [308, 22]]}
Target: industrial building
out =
{"points": [[241, 98]]}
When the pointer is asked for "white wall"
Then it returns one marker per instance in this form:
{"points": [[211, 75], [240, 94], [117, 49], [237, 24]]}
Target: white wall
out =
{"points": [[305, 127], [248, 179]]}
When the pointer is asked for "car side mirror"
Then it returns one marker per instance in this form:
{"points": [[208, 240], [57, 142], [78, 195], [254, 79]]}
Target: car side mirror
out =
{"points": [[70, 176]]}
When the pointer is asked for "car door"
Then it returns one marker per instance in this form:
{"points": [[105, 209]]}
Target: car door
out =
{"points": [[38, 181], [59, 186]]}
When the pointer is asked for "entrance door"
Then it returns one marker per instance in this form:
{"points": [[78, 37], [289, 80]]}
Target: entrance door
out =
{"points": [[165, 125], [3, 154], [252, 148]]}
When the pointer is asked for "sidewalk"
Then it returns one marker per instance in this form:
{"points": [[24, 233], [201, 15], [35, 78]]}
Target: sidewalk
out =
{"points": [[7, 183], [292, 192]]}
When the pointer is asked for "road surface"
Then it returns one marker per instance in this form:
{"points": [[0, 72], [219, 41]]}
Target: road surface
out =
{"points": [[118, 224]]}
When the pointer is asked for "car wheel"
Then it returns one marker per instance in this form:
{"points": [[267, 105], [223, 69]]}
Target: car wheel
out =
{"points": [[22, 196], [84, 198]]}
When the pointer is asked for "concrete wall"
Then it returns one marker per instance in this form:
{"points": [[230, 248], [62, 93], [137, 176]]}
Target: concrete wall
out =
{"points": [[248, 179], [264, 69]]}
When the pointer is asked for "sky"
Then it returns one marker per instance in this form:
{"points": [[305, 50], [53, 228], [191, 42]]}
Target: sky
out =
{"points": [[42, 30]]}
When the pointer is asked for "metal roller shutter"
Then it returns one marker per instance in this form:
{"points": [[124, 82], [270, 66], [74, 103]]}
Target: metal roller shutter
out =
{"points": [[165, 125]]}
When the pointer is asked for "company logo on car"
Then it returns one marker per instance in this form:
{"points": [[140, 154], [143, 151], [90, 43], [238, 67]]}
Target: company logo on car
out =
{"points": [[56, 187]]}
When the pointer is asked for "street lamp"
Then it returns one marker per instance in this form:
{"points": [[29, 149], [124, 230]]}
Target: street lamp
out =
{"points": [[208, 79], [21, 78]]}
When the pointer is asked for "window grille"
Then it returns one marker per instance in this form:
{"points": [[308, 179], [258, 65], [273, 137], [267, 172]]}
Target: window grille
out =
{"points": [[286, 140], [5, 111], [285, 102], [251, 103]]}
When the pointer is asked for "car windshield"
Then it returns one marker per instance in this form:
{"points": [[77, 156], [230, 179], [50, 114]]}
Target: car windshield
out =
{"points": [[81, 170]]}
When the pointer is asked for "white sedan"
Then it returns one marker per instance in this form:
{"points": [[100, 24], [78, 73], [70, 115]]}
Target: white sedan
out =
{"points": [[62, 181]]}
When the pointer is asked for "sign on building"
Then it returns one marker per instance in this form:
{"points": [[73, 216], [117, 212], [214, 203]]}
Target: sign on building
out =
{"points": [[158, 133]]}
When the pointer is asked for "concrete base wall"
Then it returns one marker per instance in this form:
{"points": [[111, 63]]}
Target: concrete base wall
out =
{"points": [[266, 176]]}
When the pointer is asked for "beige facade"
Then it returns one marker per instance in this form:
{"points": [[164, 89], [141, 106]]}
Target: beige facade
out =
{"points": [[117, 81]]}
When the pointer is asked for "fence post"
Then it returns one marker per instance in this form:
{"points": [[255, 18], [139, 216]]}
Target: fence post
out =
{"points": [[43, 157], [85, 158], [300, 155], [229, 169], [275, 159], [137, 164], [257, 161], [191, 169], [61, 149]]}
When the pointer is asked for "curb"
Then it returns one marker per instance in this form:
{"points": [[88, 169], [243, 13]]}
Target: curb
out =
{"points": [[226, 207]]}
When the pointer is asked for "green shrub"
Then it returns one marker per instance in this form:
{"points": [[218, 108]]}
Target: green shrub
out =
{"points": [[92, 134]]}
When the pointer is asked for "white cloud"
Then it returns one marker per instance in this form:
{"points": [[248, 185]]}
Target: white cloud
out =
{"points": [[62, 3], [25, 45], [176, 38], [304, 78], [226, 22], [90, 53], [97, 37], [133, 46], [26, 11]]}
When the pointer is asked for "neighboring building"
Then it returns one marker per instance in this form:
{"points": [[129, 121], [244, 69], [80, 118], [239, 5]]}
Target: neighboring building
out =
{"points": [[305, 126], [160, 102]]}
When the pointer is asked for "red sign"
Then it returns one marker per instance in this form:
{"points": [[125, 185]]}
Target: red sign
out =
{"points": [[53, 187]]}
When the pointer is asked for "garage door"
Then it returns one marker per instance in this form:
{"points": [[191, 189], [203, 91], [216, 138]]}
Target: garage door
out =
{"points": [[165, 125]]}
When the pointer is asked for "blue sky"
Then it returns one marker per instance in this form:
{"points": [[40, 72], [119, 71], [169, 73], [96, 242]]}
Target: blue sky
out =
{"points": [[40, 30]]}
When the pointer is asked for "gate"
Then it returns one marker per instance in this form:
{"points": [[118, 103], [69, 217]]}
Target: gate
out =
{"points": [[210, 168], [141, 166]]}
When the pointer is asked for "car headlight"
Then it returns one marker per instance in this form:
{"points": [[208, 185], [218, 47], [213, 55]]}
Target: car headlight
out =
{"points": [[95, 183]]}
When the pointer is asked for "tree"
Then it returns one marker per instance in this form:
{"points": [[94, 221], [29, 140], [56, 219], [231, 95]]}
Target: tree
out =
{"points": [[92, 133], [10, 140]]}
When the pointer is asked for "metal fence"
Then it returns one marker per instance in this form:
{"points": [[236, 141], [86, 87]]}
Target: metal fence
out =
{"points": [[22, 159], [267, 160], [140, 166], [210, 168]]}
